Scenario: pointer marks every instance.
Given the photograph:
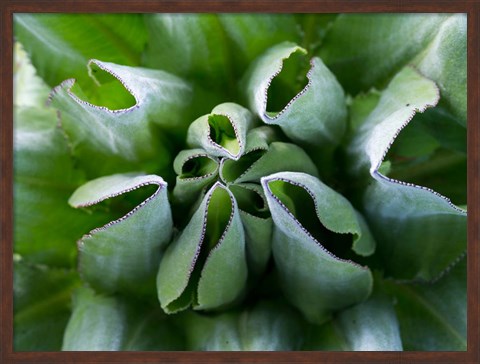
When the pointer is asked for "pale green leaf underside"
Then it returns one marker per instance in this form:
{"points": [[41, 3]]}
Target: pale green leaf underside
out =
{"points": [[113, 323], [412, 224], [122, 137], [314, 280], [195, 170], [29, 90], [257, 225], [279, 157], [258, 238], [265, 155], [445, 62], [124, 254], [223, 132], [316, 116], [182, 282]]}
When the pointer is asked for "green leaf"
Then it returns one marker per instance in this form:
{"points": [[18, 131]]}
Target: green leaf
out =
{"points": [[195, 170], [360, 107], [213, 241], [309, 216], [445, 62], [29, 90], [412, 224], [433, 316], [279, 157], [123, 138], [45, 228], [124, 254], [42, 305], [371, 325], [242, 31], [61, 44], [368, 326], [314, 28], [257, 224], [112, 323], [223, 132], [263, 156], [202, 54], [326, 337], [322, 97], [365, 50], [267, 326]]}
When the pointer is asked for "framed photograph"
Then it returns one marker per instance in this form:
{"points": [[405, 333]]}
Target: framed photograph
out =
{"points": [[239, 181]]}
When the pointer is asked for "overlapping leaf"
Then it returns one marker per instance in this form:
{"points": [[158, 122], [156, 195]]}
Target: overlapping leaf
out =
{"points": [[315, 115], [413, 224], [205, 266], [124, 254], [265, 155], [307, 216], [204, 57], [219, 48], [369, 326], [223, 132], [61, 44], [435, 43], [243, 190], [434, 316], [195, 170], [112, 323], [242, 31], [42, 298], [45, 226], [267, 326], [123, 138]]}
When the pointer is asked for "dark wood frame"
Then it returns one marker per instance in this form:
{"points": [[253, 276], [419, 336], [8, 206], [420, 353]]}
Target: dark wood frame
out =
{"points": [[8, 7]]}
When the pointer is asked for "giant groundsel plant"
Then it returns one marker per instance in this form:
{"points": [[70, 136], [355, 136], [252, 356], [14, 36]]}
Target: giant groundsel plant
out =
{"points": [[240, 182]]}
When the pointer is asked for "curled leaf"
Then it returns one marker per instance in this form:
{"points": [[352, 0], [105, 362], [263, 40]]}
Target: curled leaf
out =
{"points": [[122, 137], [307, 216], [404, 216], [213, 241], [257, 224], [223, 132], [263, 156], [316, 115], [61, 44], [45, 176], [124, 254], [195, 170]]}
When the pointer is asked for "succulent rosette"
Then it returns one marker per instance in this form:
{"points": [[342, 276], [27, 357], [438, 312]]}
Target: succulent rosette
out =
{"points": [[240, 182]]}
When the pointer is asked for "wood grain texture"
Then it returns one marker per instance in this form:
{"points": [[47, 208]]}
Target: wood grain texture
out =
{"points": [[8, 7]]}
